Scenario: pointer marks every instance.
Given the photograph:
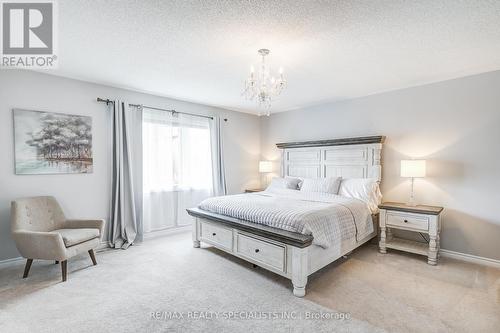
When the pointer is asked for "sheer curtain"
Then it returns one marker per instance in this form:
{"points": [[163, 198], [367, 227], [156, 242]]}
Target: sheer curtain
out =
{"points": [[177, 167]]}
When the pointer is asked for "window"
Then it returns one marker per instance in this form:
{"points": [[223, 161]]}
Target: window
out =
{"points": [[177, 167]]}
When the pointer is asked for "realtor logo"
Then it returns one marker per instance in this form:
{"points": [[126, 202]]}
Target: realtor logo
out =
{"points": [[28, 34]]}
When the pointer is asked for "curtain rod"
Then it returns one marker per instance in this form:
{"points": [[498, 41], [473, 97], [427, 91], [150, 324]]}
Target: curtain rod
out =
{"points": [[108, 101]]}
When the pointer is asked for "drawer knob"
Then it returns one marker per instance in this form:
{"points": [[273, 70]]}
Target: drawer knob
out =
{"points": [[213, 234], [405, 221], [257, 250]]}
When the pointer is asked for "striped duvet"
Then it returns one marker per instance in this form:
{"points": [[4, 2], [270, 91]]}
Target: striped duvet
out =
{"points": [[330, 219]]}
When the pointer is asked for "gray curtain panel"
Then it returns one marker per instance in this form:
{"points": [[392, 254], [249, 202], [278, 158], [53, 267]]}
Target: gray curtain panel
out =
{"points": [[126, 190], [218, 169]]}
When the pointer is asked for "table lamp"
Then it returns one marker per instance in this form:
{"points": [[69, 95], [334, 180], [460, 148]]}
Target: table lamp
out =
{"points": [[412, 169], [265, 167]]}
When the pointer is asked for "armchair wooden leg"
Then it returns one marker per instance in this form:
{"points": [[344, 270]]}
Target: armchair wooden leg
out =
{"points": [[64, 269], [92, 256], [27, 268]]}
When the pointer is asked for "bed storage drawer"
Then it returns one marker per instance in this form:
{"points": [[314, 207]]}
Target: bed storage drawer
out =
{"points": [[216, 235], [265, 253], [410, 221]]}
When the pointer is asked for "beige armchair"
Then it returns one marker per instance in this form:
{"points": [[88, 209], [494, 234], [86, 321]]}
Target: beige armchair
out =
{"points": [[41, 231]]}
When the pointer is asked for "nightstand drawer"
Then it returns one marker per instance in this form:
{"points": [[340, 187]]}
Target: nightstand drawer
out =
{"points": [[415, 222]]}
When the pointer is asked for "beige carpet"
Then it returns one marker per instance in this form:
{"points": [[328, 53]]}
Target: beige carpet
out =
{"points": [[400, 292], [166, 276]]}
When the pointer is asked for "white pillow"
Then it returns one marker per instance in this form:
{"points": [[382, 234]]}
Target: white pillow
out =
{"points": [[284, 183], [365, 189], [324, 185]]}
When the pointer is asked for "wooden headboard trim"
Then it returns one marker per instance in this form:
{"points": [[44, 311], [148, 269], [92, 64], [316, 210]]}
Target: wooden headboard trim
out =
{"points": [[333, 142]]}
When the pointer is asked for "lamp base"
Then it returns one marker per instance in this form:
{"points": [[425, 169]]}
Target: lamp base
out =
{"points": [[411, 203]]}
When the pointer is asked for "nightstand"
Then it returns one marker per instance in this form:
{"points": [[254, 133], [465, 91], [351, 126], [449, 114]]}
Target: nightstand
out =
{"points": [[254, 190], [421, 219]]}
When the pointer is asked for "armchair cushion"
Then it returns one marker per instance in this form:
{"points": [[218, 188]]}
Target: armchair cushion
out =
{"points": [[96, 224], [73, 237]]}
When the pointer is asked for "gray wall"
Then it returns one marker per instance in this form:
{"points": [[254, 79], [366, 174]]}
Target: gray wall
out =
{"points": [[455, 125], [87, 195]]}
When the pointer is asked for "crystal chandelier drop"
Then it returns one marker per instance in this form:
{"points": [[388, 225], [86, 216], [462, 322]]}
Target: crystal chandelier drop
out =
{"points": [[262, 85]]}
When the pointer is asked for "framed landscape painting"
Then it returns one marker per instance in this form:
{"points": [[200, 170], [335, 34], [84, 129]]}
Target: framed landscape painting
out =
{"points": [[52, 143]]}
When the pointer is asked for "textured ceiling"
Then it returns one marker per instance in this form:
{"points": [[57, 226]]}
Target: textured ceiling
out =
{"points": [[201, 51]]}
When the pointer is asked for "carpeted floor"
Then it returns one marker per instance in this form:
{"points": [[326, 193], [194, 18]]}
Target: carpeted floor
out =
{"points": [[165, 275], [400, 292], [165, 285]]}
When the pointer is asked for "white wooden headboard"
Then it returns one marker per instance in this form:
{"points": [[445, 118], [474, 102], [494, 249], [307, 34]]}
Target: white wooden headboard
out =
{"points": [[347, 158]]}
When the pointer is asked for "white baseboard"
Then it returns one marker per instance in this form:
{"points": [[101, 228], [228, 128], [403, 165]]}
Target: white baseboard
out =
{"points": [[470, 258], [6, 262], [152, 235], [445, 253], [104, 245], [167, 232]]}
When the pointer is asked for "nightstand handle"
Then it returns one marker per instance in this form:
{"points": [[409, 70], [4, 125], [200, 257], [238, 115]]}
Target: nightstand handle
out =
{"points": [[405, 221]]}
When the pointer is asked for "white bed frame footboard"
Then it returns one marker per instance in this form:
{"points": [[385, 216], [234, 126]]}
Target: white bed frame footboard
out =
{"points": [[290, 261], [286, 253], [294, 259]]}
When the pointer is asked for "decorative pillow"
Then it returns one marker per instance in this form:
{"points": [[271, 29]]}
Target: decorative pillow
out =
{"points": [[284, 183], [324, 185], [295, 179], [365, 189]]}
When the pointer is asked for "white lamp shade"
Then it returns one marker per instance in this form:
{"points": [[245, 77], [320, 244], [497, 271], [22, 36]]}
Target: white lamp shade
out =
{"points": [[265, 166], [413, 168]]}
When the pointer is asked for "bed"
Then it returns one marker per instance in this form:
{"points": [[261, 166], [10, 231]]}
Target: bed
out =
{"points": [[290, 233]]}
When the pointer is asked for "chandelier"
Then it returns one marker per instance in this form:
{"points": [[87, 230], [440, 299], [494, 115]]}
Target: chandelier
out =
{"points": [[262, 85]]}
